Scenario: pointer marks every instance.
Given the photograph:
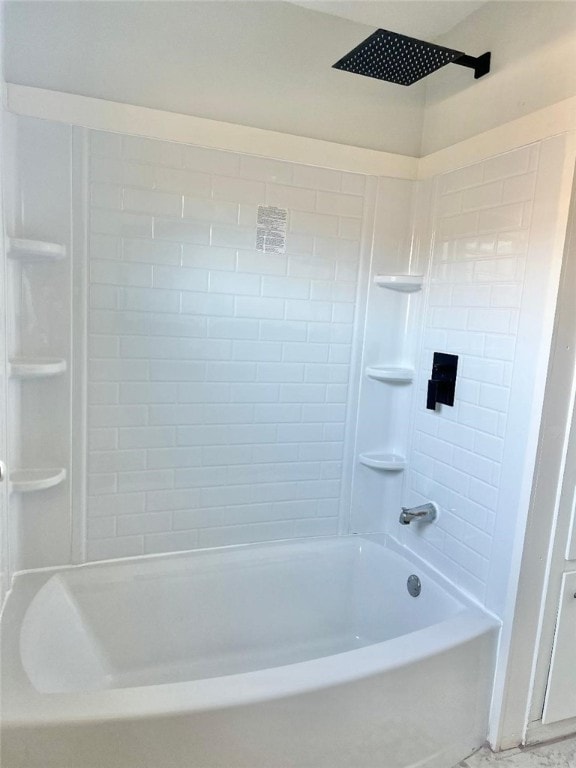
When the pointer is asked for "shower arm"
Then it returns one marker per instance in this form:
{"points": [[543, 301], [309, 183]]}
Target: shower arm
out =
{"points": [[480, 64]]}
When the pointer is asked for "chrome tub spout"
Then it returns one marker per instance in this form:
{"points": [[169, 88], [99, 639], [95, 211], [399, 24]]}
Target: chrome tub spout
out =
{"points": [[425, 512]]}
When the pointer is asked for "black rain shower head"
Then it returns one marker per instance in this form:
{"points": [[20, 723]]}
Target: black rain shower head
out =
{"points": [[404, 60]]}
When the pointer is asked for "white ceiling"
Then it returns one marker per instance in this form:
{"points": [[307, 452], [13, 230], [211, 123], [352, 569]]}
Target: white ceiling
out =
{"points": [[426, 19]]}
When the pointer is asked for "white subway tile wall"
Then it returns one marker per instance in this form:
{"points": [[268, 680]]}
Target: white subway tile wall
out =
{"points": [[218, 375], [481, 221]]}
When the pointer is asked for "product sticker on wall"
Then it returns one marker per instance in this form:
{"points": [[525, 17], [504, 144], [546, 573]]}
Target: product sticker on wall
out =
{"points": [[271, 229]]}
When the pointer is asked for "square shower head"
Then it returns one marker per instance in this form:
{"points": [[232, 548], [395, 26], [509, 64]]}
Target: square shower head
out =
{"points": [[396, 58]]}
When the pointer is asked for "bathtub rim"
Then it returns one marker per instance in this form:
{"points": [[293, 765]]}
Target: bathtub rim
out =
{"points": [[28, 707], [38, 576]]}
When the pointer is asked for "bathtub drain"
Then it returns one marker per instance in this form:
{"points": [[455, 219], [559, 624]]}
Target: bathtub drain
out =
{"points": [[414, 585]]}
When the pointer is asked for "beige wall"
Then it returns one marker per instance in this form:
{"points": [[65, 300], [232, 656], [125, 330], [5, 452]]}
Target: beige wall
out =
{"points": [[262, 64], [268, 65], [533, 48]]}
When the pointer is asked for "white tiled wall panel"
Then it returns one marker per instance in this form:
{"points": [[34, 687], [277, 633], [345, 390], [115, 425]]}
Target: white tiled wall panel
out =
{"points": [[481, 223], [218, 375]]}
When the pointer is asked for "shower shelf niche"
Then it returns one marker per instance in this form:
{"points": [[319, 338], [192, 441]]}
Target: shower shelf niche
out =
{"points": [[387, 462], [27, 480], [401, 283], [389, 373], [36, 367], [34, 250]]}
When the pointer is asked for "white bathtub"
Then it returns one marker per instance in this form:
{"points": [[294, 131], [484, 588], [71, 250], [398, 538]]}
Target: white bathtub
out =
{"points": [[306, 654]]}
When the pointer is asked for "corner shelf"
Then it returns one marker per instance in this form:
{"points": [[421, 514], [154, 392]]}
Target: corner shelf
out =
{"points": [[34, 250], [389, 373], [28, 480], [387, 462], [401, 283], [36, 367]]}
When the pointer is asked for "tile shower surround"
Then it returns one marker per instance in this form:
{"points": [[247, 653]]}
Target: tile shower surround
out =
{"points": [[218, 375], [482, 225]]}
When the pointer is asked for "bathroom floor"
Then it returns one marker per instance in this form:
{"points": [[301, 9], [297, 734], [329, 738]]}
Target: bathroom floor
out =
{"points": [[559, 754]]}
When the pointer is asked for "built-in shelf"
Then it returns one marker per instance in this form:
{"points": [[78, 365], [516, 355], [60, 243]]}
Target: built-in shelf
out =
{"points": [[36, 367], [27, 480], [388, 462], [402, 283], [389, 373], [34, 250]]}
